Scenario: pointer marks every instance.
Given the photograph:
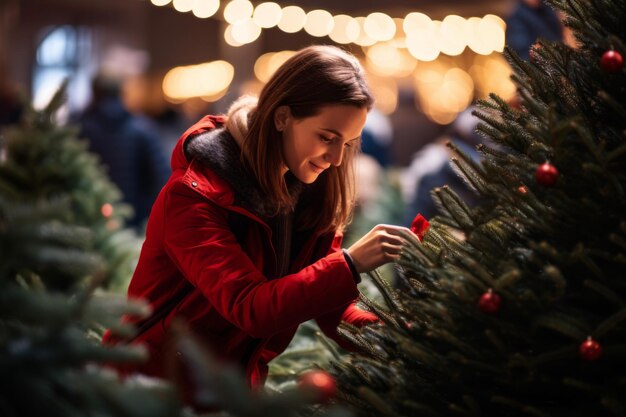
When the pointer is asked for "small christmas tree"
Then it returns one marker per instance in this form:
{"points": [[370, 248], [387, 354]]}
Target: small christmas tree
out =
{"points": [[517, 307], [45, 162], [50, 357]]}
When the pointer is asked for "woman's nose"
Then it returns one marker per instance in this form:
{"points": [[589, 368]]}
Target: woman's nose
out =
{"points": [[335, 155]]}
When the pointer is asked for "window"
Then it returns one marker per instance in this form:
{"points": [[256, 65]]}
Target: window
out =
{"points": [[65, 52]]}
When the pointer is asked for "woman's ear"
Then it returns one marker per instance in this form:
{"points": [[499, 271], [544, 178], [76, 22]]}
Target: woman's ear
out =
{"points": [[281, 117]]}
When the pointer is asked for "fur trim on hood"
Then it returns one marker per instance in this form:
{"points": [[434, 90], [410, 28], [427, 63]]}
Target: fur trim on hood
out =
{"points": [[238, 116], [220, 150]]}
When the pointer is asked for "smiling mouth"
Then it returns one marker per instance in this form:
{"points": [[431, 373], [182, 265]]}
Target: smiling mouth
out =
{"points": [[316, 168]]}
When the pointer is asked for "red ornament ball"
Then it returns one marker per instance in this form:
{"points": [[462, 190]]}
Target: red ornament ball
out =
{"points": [[489, 302], [611, 61], [546, 174], [522, 189], [106, 210], [590, 350], [321, 383]]}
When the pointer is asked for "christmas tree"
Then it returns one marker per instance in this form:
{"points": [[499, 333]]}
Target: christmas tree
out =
{"points": [[52, 262], [45, 162], [517, 307]]}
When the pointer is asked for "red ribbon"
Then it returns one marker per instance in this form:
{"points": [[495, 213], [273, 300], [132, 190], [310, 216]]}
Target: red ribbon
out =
{"points": [[419, 226]]}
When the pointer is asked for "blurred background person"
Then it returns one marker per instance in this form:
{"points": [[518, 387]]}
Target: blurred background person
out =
{"points": [[127, 144], [531, 19], [431, 168]]}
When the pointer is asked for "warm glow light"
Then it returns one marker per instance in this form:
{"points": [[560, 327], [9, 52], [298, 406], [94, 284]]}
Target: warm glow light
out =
{"points": [[205, 8], [363, 39], [292, 20], [492, 75], [385, 91], [277, 60], [267, 15], [268, 63], [203, 80], [474, 36], [379, 26], [442, 90], [214, 97], [261, 66], [452, 35], [160, 2], [386, 60], [183, 6], [345, 30], [238, 11], [228, 37], [416, 23], [425, 47], [457, 90], [497, 20], [492, 32], [442, 117], [246, 31], [319, 23]]}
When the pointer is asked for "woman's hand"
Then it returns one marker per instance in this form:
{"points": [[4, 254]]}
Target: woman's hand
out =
{"points": [[379, 246]]}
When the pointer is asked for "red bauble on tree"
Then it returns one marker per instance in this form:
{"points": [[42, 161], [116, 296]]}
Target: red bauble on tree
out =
{"points": [[611, 61], [546, 174], [106, 210], [320, 383], [590, 350], [489, 302]]}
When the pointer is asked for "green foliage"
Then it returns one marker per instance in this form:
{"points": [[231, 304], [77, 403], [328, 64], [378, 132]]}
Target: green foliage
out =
{"points": [[308, 350], [556, 255], [46, 164], [50, 355]]}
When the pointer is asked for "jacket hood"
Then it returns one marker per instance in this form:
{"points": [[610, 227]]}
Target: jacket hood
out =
{"points": [[179, 159], [218, 150], [236, 121]]}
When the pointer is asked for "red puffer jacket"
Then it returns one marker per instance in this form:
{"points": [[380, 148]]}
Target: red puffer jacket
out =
{"points": [[234, 309]]}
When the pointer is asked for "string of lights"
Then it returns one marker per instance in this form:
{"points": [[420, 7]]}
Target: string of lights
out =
{"points": [[413, 46]]}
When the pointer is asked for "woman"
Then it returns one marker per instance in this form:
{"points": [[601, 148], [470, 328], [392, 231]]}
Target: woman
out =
{"points": [[252, 217]]}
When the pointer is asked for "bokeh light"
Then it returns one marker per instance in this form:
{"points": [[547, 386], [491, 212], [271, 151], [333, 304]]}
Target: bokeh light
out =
{"points": [[364, 39], [183, 6], [292, 20], [205, 8], [379, 26], [204, 80], [267, 15], [238, 11], [345, 30], [319, 23]]}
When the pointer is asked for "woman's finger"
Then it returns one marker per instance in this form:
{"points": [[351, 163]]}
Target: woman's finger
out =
{"points": [[391, 249], [394, 239]]}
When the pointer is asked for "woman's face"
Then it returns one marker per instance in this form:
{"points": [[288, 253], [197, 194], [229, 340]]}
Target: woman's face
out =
{"points": [[313, 144]]}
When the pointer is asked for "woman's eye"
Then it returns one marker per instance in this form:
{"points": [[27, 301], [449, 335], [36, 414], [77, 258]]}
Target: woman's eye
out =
{"points": [[325, 139]]}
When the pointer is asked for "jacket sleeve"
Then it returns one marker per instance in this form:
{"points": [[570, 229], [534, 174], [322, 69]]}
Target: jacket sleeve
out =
{"points": [[349, 313], [198, 240]]}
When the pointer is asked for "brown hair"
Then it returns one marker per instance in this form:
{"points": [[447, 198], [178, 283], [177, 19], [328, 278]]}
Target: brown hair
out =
{"points": [[314, 77]]}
